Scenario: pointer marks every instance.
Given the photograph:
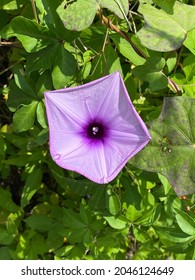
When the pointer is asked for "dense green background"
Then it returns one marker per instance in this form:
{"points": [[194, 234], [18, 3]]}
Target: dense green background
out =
{"points": [[50, 213]]}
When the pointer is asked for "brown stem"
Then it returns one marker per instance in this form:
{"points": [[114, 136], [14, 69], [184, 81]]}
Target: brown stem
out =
{"points": [[9, 44], [34, 10], [122, 34], [174, 86], [113, 27]]}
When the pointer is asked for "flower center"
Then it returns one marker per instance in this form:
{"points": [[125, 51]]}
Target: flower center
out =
{"points": [[95, 130]]}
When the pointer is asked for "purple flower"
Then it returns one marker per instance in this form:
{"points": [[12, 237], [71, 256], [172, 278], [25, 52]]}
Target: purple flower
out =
{"points": [[94, 128]]}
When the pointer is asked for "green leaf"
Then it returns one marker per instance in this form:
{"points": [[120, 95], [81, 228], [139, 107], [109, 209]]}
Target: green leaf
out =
{"points": [[65, 67], [140, 234], [98, 200], [39, 222], [151, 72], [31, 186], [24, 159], [43, 84], [171, 62], [133, 214], [4, 18], [54, 22], [6, 201], [43, 59], [43, 136], [32, 35], [64, 251], [93, 38], [72, 220], [185, 222], [85, 215], [54, 239], [4, 253], [79, 14], [12, 228], [189, 67], [24, 117], [12, 4], [78, 225], [17, 97], [126, 49], [171, 152], [167, 6], [41, 115], [163, 32], [38, 245], [190, 41], [105, 63], [2, 146], [7, 32], [5, 237], [22, 82], [189, 89], [119, 7], [116, 222], [114, 205], [79, 187], [173, 235], [150, 216], [184, 15]]}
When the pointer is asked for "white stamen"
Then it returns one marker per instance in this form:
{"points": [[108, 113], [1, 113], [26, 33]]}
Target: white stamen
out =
{"points": [[95, 130]]}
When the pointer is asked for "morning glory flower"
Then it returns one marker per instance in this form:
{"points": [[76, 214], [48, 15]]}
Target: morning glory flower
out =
{"points": [[94, 128]]}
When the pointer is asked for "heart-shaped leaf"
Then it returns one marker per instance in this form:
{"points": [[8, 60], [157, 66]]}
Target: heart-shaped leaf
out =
{"points": [[151, 72], [171, 151], [166, 32], [78, 15]]}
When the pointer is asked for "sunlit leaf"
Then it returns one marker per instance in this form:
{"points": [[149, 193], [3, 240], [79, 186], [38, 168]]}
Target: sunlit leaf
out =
{"points": [[116, 222], [119, 7], [41, 116], [185, 222], [12, 4], [32, 35], [190, 41], [79, 14], [166, 32], [167, 6], [126, 49], [24, 117], [173, 235]]}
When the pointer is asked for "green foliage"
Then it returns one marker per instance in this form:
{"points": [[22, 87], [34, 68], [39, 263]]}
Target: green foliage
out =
{"points": [[173, 138], [51, 213], [163, 31], [78, 15], [151, 71]]}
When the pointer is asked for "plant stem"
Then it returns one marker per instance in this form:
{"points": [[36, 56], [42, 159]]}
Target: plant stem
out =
{"points": [[113, 27], [122, 34], [34, 10]]}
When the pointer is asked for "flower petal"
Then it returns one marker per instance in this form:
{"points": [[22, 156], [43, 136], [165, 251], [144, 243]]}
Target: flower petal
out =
{"points": [[104, 102]]}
